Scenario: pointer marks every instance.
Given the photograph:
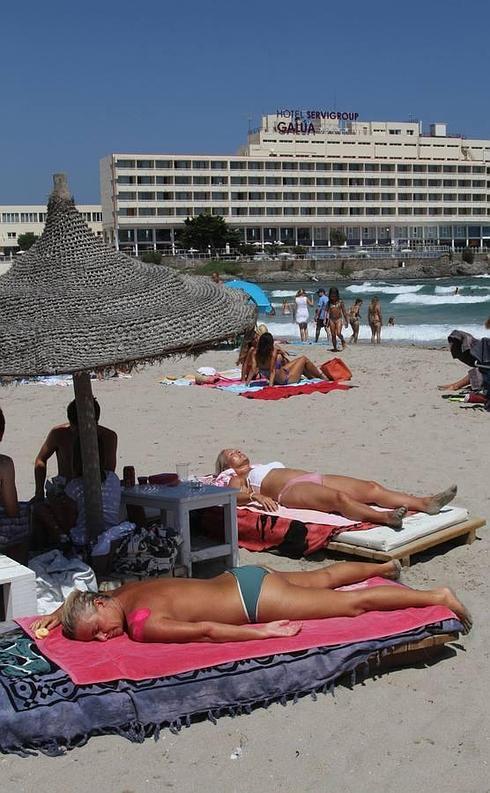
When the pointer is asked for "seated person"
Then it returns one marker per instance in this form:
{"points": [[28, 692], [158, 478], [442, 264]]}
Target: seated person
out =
{"points": [[272, 484], [271, 362], [66, 515], [60, 441], [466, 349], [218, 609], [14, 516]]}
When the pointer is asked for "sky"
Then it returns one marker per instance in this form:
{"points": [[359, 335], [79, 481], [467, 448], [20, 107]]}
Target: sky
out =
{"points": [[79, 81]]}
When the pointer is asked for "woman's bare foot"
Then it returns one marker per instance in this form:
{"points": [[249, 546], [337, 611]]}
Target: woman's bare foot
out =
{"points": [[451, 600], [449, 387], [395, 517], [391, 570], [437, 502]]}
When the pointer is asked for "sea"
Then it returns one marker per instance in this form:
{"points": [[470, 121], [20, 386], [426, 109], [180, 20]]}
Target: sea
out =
{"points": [[424, 311]]}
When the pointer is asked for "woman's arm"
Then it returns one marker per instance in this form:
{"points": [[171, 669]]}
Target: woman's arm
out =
{"points": [[253, 369], [309, 300], [49, 621], [163, 630], [272, 370]]}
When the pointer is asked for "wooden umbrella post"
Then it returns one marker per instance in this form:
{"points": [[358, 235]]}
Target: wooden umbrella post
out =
{"points": [[89, 445]]}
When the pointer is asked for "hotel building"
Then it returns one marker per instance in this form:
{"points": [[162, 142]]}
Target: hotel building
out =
{"points": [[16, 220], [303, 173]]}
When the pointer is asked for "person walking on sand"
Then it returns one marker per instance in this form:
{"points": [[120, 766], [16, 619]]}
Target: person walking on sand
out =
{"points": [[321, 314], [337, 317], [355, 320], [375, 319], [301, 313]]}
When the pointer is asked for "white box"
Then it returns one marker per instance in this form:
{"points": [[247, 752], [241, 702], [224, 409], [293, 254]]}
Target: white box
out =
{"points": [[17, 591]]}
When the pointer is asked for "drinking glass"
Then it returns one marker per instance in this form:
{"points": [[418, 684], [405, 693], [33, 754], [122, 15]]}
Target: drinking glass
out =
{"points": [[182, 471]]}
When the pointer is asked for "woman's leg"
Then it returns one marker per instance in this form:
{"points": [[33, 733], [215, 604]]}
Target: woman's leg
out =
{"points": [[308, 495], [373, 493], [293, 371], [282, 600], [339, 333], [333, 331], [378, 333], [341, 574], [373, 332], [465, 381]]}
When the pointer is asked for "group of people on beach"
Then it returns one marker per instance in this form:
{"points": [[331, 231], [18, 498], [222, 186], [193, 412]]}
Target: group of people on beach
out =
{"points": [[332, 316]]}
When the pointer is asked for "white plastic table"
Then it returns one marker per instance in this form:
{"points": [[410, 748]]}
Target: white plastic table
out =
{"points": [[179, 501]]}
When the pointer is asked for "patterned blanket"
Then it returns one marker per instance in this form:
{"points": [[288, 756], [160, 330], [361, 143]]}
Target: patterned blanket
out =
{"points": [[41, 709]]}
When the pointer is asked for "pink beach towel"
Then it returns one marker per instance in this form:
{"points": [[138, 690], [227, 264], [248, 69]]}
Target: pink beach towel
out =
{"points": [[122, 658]]}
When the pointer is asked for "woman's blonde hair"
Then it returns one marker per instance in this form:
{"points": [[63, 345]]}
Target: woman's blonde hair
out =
{"points": [[221, 463], [77, 606]]}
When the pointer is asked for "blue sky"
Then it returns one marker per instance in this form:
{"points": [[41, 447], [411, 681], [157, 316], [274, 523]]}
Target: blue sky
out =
{"points": [[79, 81]]}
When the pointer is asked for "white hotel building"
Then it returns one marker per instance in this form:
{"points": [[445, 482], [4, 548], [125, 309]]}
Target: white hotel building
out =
{"points": [[303, 173], [16, 220]]}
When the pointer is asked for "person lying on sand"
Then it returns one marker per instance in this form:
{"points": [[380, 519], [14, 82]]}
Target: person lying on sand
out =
{"points": [[271, 484], [218, 609]]}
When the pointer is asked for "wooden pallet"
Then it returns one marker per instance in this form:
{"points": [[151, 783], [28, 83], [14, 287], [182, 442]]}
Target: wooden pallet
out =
{"points": [[404, 553], [410, 653]]}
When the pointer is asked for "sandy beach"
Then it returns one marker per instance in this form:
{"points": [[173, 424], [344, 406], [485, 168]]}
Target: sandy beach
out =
{"points": [[422, 728]]}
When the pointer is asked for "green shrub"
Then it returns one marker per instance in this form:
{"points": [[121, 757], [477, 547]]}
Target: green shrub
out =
{"points": [[151, 257], [468, 256], [221, 267]]}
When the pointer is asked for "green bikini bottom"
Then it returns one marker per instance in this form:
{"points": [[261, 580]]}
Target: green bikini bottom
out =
{"points": [[249, 579]]}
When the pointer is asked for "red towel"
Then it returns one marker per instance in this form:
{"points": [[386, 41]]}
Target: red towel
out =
{"points": [[121, 658], [285, 391]]}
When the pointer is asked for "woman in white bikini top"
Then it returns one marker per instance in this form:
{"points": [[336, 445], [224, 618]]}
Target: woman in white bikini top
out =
{"points": [[273, 483]]}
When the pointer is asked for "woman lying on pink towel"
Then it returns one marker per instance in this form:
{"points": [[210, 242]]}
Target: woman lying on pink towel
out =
{"points": [[271, 484], [226, 608]]}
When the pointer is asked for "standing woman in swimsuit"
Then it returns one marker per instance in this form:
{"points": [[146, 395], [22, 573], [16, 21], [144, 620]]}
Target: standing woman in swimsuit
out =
{"points": [[355, 320], [297, 489], [337, 312], [271, 362], [302, 315], [375, 319]]}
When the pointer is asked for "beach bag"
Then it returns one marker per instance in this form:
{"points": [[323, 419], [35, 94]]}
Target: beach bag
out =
{"points": [[148, 551], [336, 369]]}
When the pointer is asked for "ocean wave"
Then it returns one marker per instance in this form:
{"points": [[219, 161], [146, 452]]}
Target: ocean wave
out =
{"points": [[283, 292], [417, 334], [439, 300], [447, 290], [487, 275], [367, 287]]}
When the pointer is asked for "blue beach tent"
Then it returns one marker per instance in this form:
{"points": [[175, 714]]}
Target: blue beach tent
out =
{"points": [[255, 293]]}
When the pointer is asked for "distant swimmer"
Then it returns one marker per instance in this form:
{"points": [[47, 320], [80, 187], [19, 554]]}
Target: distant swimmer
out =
{"points": [[456, 291], [391, 321]]}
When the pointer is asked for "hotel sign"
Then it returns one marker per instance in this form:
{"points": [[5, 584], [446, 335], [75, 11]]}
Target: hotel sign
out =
{"points": [[301, 121]]}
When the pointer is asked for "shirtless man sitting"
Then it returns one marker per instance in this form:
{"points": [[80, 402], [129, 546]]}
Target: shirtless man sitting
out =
{"points": [[61, 441], [9, 506], [14, 516], [228, 607]]}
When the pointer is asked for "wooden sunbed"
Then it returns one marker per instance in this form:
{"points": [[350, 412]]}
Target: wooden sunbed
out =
{"points": [[466, 529]]}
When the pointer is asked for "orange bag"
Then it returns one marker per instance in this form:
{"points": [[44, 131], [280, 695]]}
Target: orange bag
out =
{"points": [[336, 369]]}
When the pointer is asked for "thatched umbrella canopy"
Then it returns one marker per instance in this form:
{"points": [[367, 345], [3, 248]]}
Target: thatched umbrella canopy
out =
{"points": [[72, 304]]}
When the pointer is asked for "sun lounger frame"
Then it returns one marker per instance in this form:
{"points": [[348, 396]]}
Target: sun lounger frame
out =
{"points": [[466, 528]]}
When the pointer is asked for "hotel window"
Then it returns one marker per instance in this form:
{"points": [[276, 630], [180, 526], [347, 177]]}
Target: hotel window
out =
{"points": [[404, 196], [28, 217], [371, 166], [405, 210], [323, 166], [420, 182], [307, 196], [219, 211], [165, 211], [276, 196], [323, 181], [372, 211], [324, 196], [307, 211], [255, 196], [339, 196], [434, 168], [272, 166], [449, 169], [339, 166], [339, 180], [387, 210], [387, 182], [420, 196], [239, 210], [387, 196], [371, 182], [124, 163], [200, 165], [290, 180], [464, 169], [181, 165], [478, 169], [420, 211], [273, 180], [274, 210], [165, 196], [256, 211], [184, 212], [420, 168], [477, 183], [146, 196], [200, 196], [219, 180], [464, 182], [164, 179], [356, 182], [183, 196], [163, 163], [291, 210], [219, 165], [449, 182], [239, 196], [220, 196], [237, 166], [307, 166], [434, 182], [256, 180], [340, 211], [404, 168], [11, 235], [10, 217], [290, 166], [324, 211], [200, 180], [356, 166], [435, 211], [356, 196], [182, 180], [238, 180], [144, 163], [387, 166], [306, 180], [404, 182], [371, 196], [126, 180], [434, 197], [356, 210], [290, 196], [146, 180], [144, 212], [127, 212], [464, 197], [255, 166], [477, 197]]}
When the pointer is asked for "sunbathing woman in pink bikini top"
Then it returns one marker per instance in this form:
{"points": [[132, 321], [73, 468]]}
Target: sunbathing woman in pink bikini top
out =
{"points": [[273, 483]]}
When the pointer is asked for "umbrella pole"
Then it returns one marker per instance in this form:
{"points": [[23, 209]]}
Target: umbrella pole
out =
{"points": [[89, 445]]}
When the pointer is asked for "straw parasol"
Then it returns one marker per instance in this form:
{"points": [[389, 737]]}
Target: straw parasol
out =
{"points": [[72, 304]]}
